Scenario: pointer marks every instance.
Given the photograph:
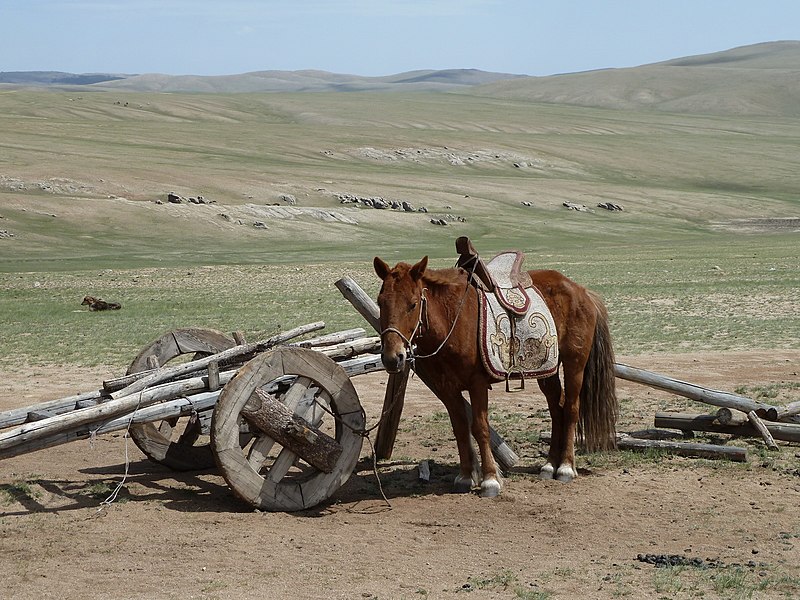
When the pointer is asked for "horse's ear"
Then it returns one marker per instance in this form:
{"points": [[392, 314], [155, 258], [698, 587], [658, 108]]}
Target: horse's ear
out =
{"points": [[418, 269], [381, 268]]}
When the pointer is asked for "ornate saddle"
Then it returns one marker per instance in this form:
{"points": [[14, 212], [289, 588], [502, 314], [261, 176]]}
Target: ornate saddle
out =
{"points": [[516, 332]]}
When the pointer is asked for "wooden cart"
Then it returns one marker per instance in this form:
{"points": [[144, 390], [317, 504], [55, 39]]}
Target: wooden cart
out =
{"points": [[282, 422]]}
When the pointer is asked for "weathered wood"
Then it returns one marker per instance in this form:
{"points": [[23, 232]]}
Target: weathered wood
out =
{"points": [[17, 416], [352, 348], [172, 409], [184, 404], [733, 453], [167, 373], [424, 469], [759, 426], [213, 376], [694, 422], [100, 412], [368, 309], [790, 410], [731, 416], [393, 402], [360, 300], [158, 439], [695, 392], [330, 339], [290, 493], [290, 431]]}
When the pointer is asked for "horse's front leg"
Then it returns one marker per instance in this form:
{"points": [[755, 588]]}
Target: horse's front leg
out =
{"points": [[468, 475], [491, 483]]}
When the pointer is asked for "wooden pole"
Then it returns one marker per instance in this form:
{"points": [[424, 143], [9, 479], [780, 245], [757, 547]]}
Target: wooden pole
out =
{"points": [[694, 422], [368, 309], [685, 448], [163, 374], [392, 403], [695, 392], [759, 426]]}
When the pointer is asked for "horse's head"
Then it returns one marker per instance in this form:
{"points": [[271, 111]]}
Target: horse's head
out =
{"points": [[401, 304]]}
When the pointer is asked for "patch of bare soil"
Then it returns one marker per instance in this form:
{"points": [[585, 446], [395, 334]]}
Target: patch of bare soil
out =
{"points": [[184, 535]]}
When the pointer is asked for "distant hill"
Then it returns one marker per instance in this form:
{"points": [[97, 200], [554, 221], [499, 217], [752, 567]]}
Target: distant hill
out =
{"points": [[761, 79], [309, 81], [55, 78]]}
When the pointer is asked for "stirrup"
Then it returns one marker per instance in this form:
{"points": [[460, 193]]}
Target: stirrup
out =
{"points": [[521, 382]]}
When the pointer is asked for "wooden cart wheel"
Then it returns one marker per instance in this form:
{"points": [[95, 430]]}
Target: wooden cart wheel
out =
{"points": [[178, 443], [292, 463]]}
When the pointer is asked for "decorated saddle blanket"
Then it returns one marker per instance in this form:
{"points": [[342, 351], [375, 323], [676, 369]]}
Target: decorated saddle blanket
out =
{"points": [[516, 332]]}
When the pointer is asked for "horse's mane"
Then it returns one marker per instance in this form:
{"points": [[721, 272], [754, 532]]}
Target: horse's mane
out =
{"points": [[443, 277]]}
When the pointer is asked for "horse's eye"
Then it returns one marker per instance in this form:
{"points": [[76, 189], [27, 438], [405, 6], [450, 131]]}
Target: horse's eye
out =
{"points": [[412, 306]]}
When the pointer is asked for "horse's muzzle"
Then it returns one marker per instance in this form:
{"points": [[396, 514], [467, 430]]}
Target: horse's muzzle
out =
{"points": [[394, 362]]}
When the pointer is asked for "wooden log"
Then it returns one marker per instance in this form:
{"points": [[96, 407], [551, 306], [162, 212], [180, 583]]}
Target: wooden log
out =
{"points": [[694, 422], [368, 309], [790, 410], [290, 431], [100, 412], [213, 376], [759, 426], [167, 373], [695, 392], [171, 409], [361, 301], [352, 348], [733, 453], [393, 402], [330, 339], [17, 416], [731, 416]]}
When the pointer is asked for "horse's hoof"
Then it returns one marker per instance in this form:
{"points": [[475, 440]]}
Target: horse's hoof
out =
{"points": [[547, 472], [462, 485], [565, 474], [490, 488]]}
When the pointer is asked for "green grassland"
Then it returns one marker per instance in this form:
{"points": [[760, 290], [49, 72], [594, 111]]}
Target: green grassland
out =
{"points": [[702, 257]]}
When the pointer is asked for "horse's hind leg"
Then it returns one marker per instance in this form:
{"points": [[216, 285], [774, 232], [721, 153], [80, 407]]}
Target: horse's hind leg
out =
{"points": [[551, 388], [564, 405]]}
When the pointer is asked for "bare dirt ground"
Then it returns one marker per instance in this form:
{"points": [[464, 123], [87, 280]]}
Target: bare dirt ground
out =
{"points": [[173, 535]]}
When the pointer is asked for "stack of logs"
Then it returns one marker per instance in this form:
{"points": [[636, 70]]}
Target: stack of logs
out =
{"points": [[736, 415]]}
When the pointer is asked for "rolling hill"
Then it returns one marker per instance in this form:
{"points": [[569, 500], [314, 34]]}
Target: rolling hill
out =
{"points": [[762, 79]]}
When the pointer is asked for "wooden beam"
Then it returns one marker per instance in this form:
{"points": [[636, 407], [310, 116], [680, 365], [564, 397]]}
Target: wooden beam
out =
{"points": [[290, 431], [759, 426], [695, 392], [393, 402], [685, 448], [694, 422]]}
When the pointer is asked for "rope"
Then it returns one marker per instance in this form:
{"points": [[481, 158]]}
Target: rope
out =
{"points": [[112, 497]]}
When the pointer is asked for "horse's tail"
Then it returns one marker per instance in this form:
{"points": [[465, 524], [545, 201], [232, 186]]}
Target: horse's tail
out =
{"points": [[599, 408]]}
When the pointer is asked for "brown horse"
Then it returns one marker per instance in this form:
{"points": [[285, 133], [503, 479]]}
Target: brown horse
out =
{"points": [[430, 317]]}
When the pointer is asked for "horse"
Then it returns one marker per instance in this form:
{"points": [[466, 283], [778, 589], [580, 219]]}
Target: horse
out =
{"points": [[429, 318], [99, 304]]}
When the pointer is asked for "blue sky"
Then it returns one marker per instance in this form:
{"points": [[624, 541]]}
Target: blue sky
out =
{"points": [[377, 37]]}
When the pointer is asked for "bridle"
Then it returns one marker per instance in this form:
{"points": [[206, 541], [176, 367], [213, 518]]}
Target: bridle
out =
{"points": [[422, 322], [408, 342]]}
